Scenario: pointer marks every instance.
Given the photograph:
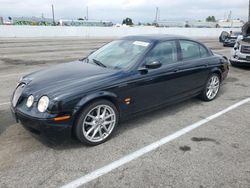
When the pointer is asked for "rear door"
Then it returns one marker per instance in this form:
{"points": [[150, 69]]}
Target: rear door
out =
{"points": [[194, 66]]}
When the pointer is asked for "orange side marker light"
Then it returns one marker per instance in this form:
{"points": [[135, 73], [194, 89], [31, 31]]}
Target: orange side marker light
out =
{"points": [[127, 100], [61, 118]]}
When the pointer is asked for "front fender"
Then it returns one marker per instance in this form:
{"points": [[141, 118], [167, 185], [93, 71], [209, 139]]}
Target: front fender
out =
{"points": [[86, 99]]}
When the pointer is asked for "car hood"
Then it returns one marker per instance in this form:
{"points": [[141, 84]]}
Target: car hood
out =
{"points": [[67, 77]]}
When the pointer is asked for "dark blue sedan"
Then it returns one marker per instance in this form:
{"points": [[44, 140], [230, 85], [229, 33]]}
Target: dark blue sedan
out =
{"points": [[89, 97]]}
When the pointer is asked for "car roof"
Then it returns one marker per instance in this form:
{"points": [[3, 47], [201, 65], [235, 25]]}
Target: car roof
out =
{"points": [[155, 37]]}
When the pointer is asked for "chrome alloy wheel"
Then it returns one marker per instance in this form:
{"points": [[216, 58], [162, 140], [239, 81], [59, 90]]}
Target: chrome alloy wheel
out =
{"points": [[99, 123], [213, 87]]}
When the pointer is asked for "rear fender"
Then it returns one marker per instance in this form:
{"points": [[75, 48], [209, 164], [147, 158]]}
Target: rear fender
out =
{"points": [[216, 70]]}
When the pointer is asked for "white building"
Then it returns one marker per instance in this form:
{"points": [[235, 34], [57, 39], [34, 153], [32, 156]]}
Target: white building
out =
{"points": [[230, 23]]}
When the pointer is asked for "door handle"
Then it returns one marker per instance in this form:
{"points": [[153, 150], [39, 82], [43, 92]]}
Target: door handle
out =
{"points": [[202, 66], [123, 85], [148, 79]]}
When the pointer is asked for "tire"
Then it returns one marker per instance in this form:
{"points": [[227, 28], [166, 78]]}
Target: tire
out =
{"points": [[233, 63], [210, 94], [93, 129]]}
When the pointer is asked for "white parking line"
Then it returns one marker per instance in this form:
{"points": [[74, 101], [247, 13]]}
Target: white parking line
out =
{"points": [[5, 103], [126, 159]]}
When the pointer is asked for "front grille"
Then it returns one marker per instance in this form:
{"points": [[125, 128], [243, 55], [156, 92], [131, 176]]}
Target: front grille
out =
{"points": [[245, 49], [17, 94], [241, 58]]}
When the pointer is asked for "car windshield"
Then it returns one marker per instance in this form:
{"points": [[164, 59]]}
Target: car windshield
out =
{"points": [[118, 54]]}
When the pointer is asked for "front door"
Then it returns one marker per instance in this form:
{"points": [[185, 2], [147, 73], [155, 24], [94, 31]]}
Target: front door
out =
{"points": [[155, 86]]}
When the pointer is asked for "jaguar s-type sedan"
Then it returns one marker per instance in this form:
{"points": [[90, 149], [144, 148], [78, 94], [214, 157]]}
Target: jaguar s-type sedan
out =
{"points": [[88, 98]]}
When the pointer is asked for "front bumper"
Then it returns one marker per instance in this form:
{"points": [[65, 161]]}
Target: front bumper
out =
{"points": [[234, 61], [44, 127], [229, 44]]}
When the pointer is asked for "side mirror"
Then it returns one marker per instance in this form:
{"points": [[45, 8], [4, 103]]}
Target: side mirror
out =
{"points": [[153, 65], [235, 48]]}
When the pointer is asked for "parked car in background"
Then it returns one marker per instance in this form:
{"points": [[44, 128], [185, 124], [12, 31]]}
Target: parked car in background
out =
{"points": [[229, 39], [89, 97], [241, 51]]}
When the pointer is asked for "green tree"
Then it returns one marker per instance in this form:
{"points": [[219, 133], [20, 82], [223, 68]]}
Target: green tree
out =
{"points": [[127, 21], [210, 19]]}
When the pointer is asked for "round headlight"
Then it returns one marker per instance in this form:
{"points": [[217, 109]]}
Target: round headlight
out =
{"points": [[43, 104], [30, 101]]}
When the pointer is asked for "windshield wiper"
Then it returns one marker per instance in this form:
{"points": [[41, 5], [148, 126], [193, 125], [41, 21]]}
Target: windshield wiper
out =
{"points": [[84, 59], [99, 63]]}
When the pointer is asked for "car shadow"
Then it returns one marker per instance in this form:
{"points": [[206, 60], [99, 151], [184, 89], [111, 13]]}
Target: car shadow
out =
{"points": [[128, 124]]}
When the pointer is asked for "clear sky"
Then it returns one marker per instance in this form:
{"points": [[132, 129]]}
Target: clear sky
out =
{"points": [[116, 10]]}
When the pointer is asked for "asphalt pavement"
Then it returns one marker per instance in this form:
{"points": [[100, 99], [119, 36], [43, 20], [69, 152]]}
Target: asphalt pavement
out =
{"points": [[216, 154]]}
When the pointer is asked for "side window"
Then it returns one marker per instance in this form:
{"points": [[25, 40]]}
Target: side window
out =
{"points": [[164, 52], [203, 51], [190, 50]]}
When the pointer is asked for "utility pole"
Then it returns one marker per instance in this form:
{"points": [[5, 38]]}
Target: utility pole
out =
{"points": [[229, 16], [249, 12], [156, 14], [53, 14], [87, 13]]}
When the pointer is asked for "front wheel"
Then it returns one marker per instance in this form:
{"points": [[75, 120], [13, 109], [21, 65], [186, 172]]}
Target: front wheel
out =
{"points": [[97, 122], [211, 88]]}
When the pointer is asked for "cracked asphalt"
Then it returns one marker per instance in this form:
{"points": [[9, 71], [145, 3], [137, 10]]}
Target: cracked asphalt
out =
{"points": [[216, 154]]}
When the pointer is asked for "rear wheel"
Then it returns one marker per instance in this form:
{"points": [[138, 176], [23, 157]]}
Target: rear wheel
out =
{"points": [[97, 122], [211, 88]]}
